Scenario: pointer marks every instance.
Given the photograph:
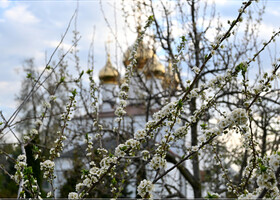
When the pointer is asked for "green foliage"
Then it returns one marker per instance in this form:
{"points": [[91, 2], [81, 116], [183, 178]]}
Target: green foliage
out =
{"points": [[211, 196], [8, 188]]}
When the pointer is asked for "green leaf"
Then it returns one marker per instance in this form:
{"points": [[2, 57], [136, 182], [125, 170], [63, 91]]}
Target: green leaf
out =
{"points": [[85, 171], [62, 79], [123, 148], [28, 170], [35, 148], [74, 92], [211, 196], [89, 71], [241, 67], [114, 181], [151, 18], [263, 168], [29, 75], [82, 73], [180, 103], [203, 126]]}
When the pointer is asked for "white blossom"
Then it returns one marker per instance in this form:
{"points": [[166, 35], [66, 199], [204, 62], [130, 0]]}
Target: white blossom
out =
{"points": [[46, 105], [33, 132], [48, 167], [196, 70], [145, 189], [158, 162], [120, 150], [239, 116], [52, 98], [49, 194], [38, 122], [73, 195], [145, 155], [140, 134], [274, 161], [21, 158], [79, 186], [132, 143], [87, 182]]}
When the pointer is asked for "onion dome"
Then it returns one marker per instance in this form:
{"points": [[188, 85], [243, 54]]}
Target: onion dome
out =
{"points": [[143, 54], [154, 68], [108, 74], [171, 79]]}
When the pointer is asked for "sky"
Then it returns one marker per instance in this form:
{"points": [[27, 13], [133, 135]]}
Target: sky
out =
{"points": [[32, 29]]}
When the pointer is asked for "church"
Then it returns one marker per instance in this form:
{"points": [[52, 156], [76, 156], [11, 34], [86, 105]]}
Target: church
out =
{"points": [[151, 86]]}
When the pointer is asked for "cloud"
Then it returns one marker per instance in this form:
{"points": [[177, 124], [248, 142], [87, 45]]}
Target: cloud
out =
{"points": [[8, 89], [54, 43], [20, 14], [4, 3], [274, 12]]}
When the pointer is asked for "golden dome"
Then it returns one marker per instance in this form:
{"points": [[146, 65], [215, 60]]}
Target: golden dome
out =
{"points": [[171, 79], [143, 54], [154, 68], [108, 74]]}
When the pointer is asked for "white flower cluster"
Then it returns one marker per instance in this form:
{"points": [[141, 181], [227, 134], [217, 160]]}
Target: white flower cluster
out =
{"points": [[165, 111], [180, 132], [52, 98], [92, 176], [168, 110], [145, 155], [266, 178], [248, 196], [48, 168], [49, 194], [106, 162], [219, 81], [28, 136], [125, 86], [196, 70], [46, 105], [158, 162], [19, 166], [89, 178], [120, 150], [274, 161], [58, 145], [145, 189], [38, 123], [21, 158], [237, 117], [130, 145], [89, 143], [140, 134], [264, 83], [123, 95], [193, 93], [123, 103], [73, 195], [120, 111], [266, 175]]}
